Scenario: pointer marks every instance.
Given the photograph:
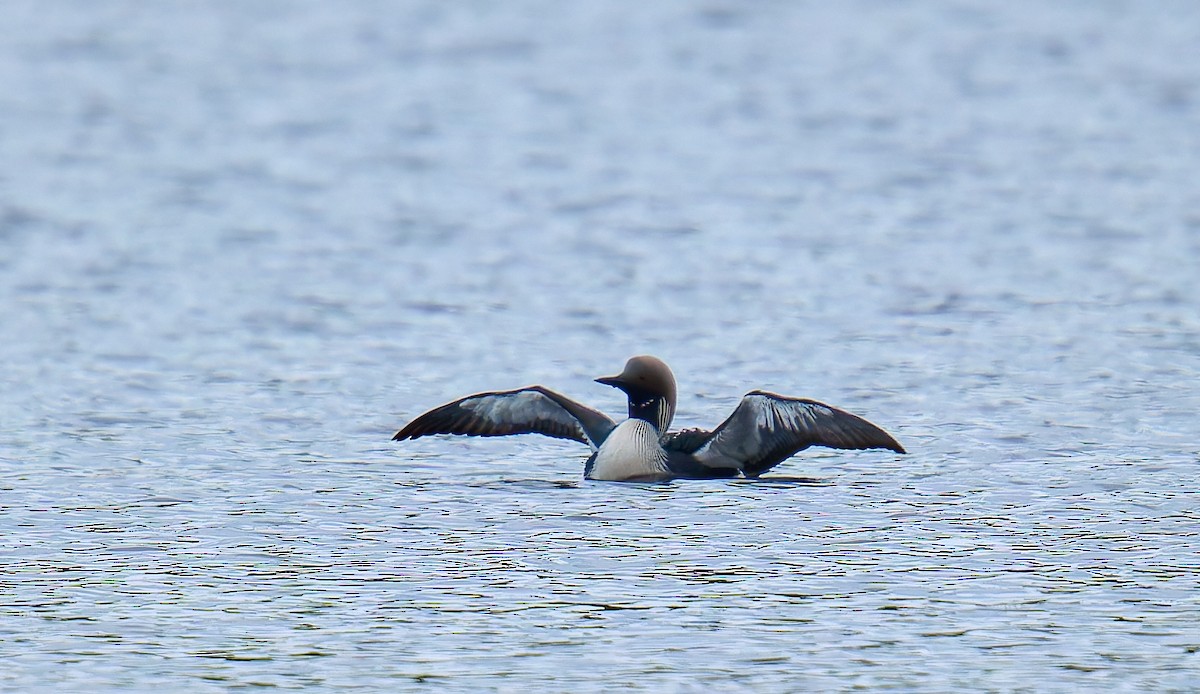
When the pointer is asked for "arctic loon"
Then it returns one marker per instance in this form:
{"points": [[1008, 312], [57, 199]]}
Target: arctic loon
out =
{"points": [[764, 430]]}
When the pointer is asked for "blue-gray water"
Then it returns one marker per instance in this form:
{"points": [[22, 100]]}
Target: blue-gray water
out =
{"points": [[242, 243]]}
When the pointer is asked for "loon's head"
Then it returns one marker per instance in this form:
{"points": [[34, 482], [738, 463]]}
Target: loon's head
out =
{"points": [[650, 386]]}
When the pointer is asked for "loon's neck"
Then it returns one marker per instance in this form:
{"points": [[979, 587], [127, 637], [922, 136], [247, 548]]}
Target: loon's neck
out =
{"points": [[653, 409]]}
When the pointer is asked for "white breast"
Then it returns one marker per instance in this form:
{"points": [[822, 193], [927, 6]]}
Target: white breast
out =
{"points": [[630, 452]]}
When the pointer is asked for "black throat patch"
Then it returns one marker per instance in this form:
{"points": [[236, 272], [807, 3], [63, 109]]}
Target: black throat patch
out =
{"points": [[643, 405]]}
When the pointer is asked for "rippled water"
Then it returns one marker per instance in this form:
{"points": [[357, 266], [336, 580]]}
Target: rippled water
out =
{"points": [[245, 242]]}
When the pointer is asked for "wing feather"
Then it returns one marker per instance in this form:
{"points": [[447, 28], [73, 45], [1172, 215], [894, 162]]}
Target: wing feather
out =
{"points": [[531, 410], [765, 429]]}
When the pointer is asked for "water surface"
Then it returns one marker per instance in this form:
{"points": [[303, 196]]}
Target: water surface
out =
{"points": [[244, 243]]}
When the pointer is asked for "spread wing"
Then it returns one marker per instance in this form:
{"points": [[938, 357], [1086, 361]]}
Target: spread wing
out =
{"points": [[532, 410], [765, 429]]}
